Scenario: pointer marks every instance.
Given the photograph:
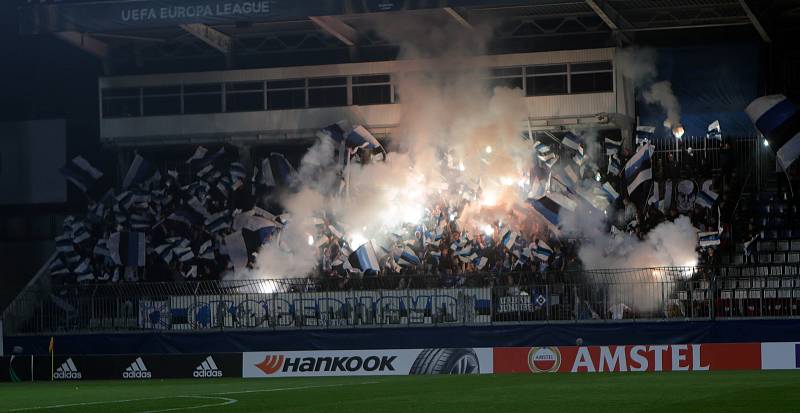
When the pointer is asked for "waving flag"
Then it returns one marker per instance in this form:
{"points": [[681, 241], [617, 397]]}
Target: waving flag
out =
{"points": [[284, 171], [364, 259], [779, 121], [542, 251], [644, 134], [612, 146], [550, 206], [408, 257], [360, 137], [573, 142], [138, 172], [267, 178], [335, 131], [714, 131], [81, 173], [639, 175], [509, 238], [708, 239], [706, 197], [480, 262], [610, 193], [127, 248]]}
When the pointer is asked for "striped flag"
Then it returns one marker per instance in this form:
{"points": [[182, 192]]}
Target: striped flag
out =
{"points": [[364, 259], [779, 121], [508, 238], [706, 197], [542, 251], [360, 137], [81, 173], [550, 206], [127, 248], [639, 175], [408, 257], [611, 194], [708, 239]]}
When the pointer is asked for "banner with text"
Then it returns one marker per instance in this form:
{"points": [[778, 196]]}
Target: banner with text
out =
{"points": [[398, 362], [591, 359], [328, 309]]}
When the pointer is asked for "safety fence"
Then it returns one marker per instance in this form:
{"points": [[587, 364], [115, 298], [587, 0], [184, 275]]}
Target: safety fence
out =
{"points": [[418, 300]]}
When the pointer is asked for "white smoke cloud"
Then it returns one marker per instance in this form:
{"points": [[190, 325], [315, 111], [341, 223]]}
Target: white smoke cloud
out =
{"points": [[640, 66]]}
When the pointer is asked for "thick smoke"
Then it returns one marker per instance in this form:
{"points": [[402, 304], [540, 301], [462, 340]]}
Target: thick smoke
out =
{"points": [[639, 65], [450, 115], [455, 134]]}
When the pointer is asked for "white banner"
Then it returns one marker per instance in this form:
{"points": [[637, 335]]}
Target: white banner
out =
{"points": [[323, 309], [398, 362]]}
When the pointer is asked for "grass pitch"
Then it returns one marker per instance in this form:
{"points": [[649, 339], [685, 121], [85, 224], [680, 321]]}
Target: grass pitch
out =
{"points": [[753, 391]]}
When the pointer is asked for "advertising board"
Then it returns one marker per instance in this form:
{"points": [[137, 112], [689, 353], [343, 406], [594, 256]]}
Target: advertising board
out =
{"points": [[591, 359], [398, 362]]}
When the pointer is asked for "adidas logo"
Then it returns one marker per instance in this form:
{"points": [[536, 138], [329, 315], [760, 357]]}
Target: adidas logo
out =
{"points": [[67, 371], [137, 370], [207, 368]]}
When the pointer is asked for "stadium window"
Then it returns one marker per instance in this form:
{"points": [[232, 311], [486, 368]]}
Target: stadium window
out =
{"points": [[121, 102], [286, 94], [202, 98], [327, 91], [161, 100], [372, 90], [510, 77], [244, 96], [546, 80], [591, 77]]}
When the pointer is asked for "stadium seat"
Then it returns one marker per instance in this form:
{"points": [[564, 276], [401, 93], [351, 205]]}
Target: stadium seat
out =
{"points": [[765, 258], [778, 258], [773, 282], [793, 257], [738, 259], [766, 246], [783, 245], [776, 270], [787, 283], [785, 293], [757, 282]]}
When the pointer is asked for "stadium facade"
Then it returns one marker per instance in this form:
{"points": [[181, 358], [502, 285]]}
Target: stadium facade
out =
{"points": [[260, 74]]}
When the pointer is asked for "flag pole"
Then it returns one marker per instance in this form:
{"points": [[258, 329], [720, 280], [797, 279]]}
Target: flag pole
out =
{"points": [[51, 348]]}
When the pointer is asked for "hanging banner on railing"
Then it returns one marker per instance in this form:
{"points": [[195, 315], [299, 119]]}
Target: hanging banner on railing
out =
{"points": [[323, 309]]}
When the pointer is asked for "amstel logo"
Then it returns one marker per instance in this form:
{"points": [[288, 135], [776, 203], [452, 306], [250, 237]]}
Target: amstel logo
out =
{"points": [[271, 364], [544, 359]]}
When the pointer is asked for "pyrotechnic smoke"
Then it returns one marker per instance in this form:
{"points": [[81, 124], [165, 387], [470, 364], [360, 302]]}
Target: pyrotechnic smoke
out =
{"points": [[446, 116], [456, 135], [639, 65]]}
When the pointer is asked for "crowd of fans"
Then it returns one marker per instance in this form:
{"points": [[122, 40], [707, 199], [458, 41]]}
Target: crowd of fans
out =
{"points": [[167, 226]]}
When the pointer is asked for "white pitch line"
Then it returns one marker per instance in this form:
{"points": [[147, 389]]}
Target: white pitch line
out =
{"points": [[61, 406], [289, 388], [226, 402]]}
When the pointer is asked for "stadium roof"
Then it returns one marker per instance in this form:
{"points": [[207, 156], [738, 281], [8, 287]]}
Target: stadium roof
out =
{"points": [[168, 35]]}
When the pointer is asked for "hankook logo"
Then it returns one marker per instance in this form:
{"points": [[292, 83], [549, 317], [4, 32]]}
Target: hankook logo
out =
{"points": [[275, 363]]}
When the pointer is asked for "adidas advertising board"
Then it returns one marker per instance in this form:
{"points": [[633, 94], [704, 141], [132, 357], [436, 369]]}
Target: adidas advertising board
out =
{"points": [[67, 371], [137, 370], [399, 362], [126, 367], [208, 368]]}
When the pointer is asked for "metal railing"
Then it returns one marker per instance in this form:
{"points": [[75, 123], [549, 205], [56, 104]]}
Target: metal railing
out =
{"points": [[419, 300]]}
